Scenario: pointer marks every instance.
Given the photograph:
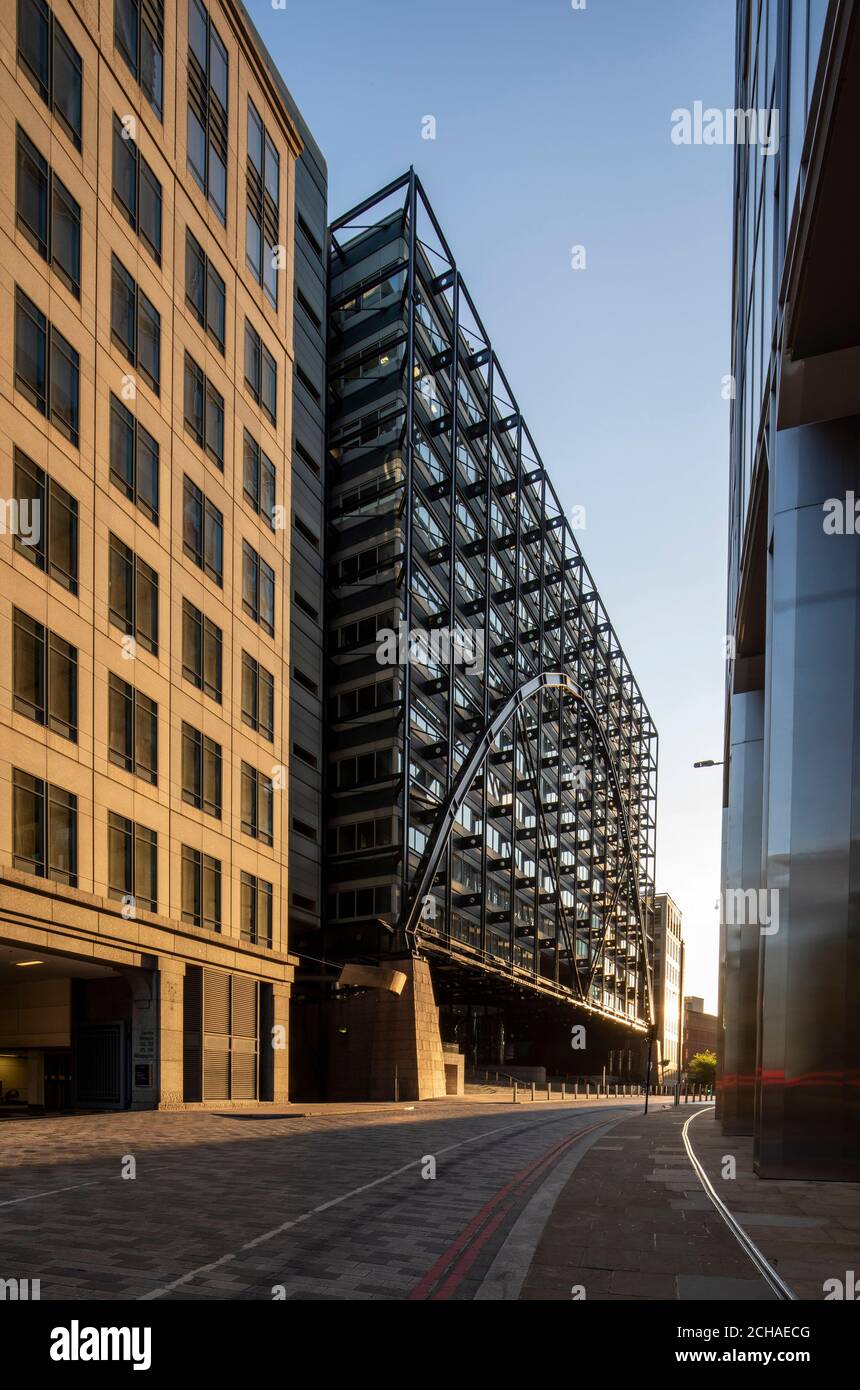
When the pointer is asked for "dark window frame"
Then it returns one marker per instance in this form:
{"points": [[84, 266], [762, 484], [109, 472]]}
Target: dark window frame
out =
{"points": [[259, 480], [211, 531], [52, 649], [139, 708], [256, 892], [262, 209], [202, 757], [258, 680], [136, 836], [49, 799], [205, 106], [258, 806], [52, 498], [209, 396], [141, 305], [55, 190], [261, 361], [141, 442], [143, 175], [260, 572], [209, 633], [41, 15], [200, 864], [212, 286], [147, 17], [53, 343], [139, 574]]}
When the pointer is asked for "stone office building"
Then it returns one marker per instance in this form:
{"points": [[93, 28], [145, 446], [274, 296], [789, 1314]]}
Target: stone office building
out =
{"points": [[161, 394]]}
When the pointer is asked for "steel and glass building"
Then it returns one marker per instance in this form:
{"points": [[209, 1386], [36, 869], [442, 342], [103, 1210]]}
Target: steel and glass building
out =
{"points": [[491, 769], [789, 1046]]}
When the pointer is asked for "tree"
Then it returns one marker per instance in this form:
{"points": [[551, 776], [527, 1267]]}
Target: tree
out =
{"points": [[702, 1068]]}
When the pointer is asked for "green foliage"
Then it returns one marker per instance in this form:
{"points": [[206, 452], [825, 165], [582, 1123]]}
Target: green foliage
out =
{"points": [[703, 1068]]}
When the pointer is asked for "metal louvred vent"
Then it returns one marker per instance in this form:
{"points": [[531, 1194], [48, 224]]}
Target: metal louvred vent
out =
{"points": [[216, 1001], [244, 1007], [216, 1069]]}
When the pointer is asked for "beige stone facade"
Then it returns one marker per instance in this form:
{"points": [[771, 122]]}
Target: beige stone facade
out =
{"points": [[668, 948], [110, 990]]}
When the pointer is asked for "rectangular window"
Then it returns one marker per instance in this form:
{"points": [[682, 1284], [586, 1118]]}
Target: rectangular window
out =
{"points": [[312, 390], [305, 607], [52, 64], [258, 589], [45, 676], [136, 190], [309, 237], [201, 771], [135, 325], [263, 182], [47, 214], [202, 532], [306, 533], [258, 697], [304, 755], [259, 481], [138, 29], [256, 910], [132, 730], [205, 291], [306, 457], [47, 367], [204, 412], [134, 456], [207, 107], [132, 863], [305, 304], [47, 531], [202, 647], [257, 805], [44, 829], [307, 682], [133, 595], [201, 889], [261, 372]]}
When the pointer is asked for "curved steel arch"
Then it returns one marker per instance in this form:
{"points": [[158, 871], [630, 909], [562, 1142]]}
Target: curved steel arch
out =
{"points": [[449, 811]]}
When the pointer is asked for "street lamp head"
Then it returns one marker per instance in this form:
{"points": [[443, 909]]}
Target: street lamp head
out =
{"points": [[708, 762]]}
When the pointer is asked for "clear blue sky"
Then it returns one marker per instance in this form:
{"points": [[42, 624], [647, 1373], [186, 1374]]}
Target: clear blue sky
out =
{"points": [[553, 130]]}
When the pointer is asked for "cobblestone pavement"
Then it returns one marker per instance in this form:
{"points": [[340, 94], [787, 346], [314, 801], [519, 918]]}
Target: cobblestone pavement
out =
{"points": [[257, 1206]]}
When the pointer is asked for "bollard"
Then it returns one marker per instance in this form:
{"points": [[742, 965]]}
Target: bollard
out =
{"points": [[533, 1090], [563, 1096], [549, 1090], [515, 1090]]}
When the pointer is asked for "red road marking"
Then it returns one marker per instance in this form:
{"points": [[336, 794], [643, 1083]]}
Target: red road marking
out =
{"points": [[459, 1263]]}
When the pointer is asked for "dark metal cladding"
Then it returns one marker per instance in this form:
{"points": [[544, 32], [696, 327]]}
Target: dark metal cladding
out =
{"points": [[493, 766]]}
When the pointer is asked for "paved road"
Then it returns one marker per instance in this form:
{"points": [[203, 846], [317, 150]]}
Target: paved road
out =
{"points": [[226, 1206]]}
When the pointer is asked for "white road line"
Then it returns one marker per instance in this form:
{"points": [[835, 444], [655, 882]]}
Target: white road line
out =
{"points": [[52, 1192]]}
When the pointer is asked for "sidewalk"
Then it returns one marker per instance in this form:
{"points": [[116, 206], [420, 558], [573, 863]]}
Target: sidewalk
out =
{"points": [[633, 1222], [808, 1231]]}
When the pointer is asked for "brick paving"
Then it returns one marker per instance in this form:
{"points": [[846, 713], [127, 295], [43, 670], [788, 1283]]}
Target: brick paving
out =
{"points": [[808, 1231], [332, 1205], [634, 1223], [254, 1205]]}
